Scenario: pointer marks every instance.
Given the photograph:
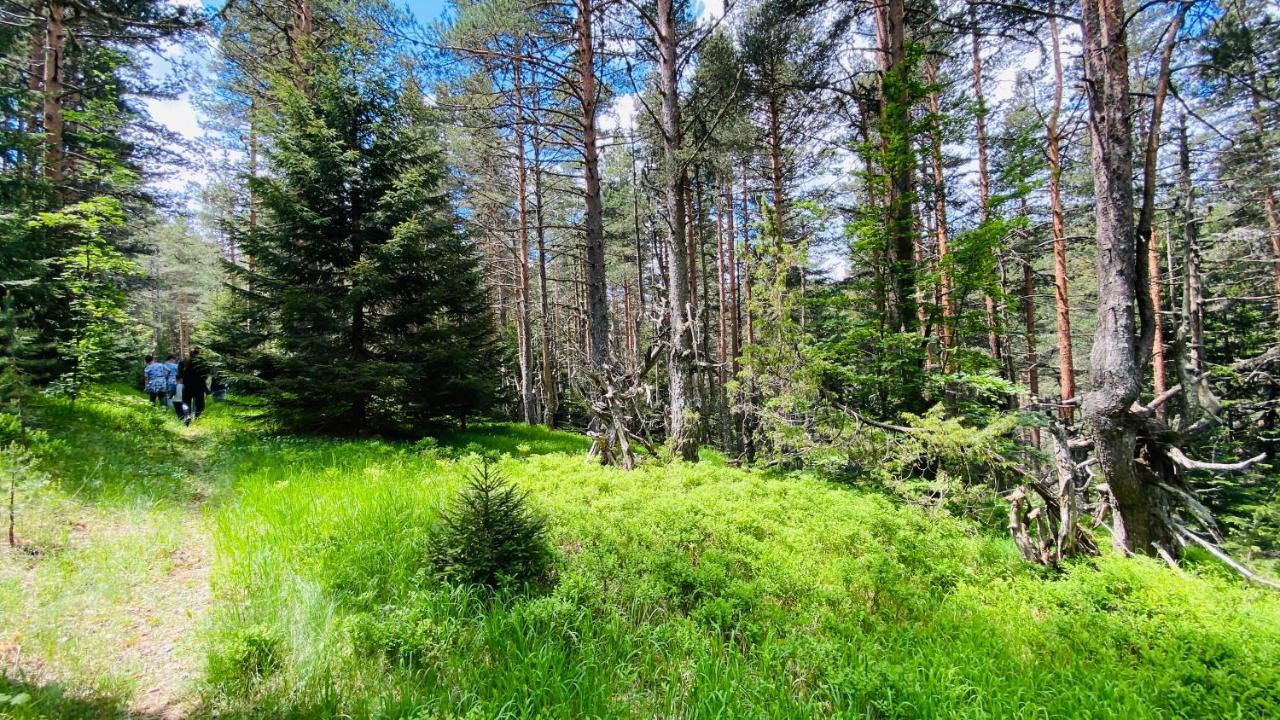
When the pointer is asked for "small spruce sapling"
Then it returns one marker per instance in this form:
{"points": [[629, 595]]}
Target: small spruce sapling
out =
{"points": [[16, 460], [491, 537]]}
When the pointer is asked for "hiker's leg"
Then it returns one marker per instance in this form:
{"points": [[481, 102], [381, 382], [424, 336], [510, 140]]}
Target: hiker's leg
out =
{"points": [[198, 403]]}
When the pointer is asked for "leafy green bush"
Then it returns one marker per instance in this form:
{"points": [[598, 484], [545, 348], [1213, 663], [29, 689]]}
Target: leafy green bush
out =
{"points": [[244, 658], [491, 537]]}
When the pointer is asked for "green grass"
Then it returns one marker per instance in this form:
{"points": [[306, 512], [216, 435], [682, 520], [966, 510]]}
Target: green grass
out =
{"points": [[96, 605], [691, 591]]}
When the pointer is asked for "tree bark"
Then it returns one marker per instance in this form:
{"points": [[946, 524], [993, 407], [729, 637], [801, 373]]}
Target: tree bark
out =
{"points": [[635, 218], [1033, 357], [680, 381], [723, 346], [776, 171], [55, 42], [299, 40], [1269, 203], [1114, 369], [1191, 329], [524, 322], [984, 185], [1157, 345], [35, 72], [550, 396], [1061, 299], [1145, 264], [597, 292], [895, 146], [747, 271], [946, 335]]}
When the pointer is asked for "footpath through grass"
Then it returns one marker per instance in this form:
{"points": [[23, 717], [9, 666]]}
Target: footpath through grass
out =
{"points": [[682, 591]]}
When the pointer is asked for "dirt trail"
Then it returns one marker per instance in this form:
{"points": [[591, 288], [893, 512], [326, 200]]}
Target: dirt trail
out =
{"points": [[112, 612], [167, 620]]}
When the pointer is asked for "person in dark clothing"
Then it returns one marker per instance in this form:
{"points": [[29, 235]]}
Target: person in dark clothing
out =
{"points": [[218, 387], [194, 375]]}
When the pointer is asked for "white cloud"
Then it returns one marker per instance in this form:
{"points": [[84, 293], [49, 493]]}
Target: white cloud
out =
{"points": [[620, 116], [711, 10], [177, 114]]}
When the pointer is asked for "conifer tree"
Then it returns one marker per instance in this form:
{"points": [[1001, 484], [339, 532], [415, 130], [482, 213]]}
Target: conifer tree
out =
{"points": [[374, 298]]}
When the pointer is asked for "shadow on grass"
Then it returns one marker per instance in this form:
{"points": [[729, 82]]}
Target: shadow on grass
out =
{"points": [[53, 701], [113, 445], [510, 437]]}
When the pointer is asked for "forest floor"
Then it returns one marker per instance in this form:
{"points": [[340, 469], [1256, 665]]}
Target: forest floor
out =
{"points": [[101, 604], [223, 570]]}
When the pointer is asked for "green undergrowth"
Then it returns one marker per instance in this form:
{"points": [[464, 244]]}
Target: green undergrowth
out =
{"points": [[676, 591], [692, 591]]}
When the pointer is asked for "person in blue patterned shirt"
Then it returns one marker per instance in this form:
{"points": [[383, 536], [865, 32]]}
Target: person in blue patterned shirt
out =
{"points": [[155, 378]]}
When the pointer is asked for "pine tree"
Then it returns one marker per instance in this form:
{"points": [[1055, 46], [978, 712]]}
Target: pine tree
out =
{"points": [[374, 298]]}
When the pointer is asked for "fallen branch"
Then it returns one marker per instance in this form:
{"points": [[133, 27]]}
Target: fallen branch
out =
{"points": [[1197, 508], [1156, 402], [876, 423], [1228, 560], [1181, 460]]}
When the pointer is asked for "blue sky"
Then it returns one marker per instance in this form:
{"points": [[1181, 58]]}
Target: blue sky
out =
{"points": [[426, 10]]}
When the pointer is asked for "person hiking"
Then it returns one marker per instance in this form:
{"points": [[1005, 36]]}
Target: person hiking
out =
{"points": [[218, 387], [175, 389], [171, 364], [194, 375], [155, 381]]}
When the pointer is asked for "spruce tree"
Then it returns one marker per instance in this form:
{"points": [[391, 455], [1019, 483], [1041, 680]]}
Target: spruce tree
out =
{"points": [[374, 299]]}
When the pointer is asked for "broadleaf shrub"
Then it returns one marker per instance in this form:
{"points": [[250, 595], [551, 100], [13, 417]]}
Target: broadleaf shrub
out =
{"points": [[491, 537]]}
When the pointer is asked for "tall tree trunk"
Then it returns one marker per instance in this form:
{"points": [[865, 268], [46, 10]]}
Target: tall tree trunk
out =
{"points": [[680, 381], [1269, 204], [629, 338], [1061, 299], [1191, 329], [924, 261], [691, 243], [1115, 376], [722, 337], [1033, 357], [748, 273], [298, 38], [550, 397], [253, 162], [984, 183], [597, 292], [946, 334], [524, 321], [1157, 345], [1273, 227], [635, 219], [776, 170], [1145, 266], [746, 434], [735, 313], [895, 141], [55, 42], [722, 312], [35, 72]]}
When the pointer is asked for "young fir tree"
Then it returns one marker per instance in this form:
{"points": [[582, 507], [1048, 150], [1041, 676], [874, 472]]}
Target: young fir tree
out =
{"points": [[374, 299]]}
